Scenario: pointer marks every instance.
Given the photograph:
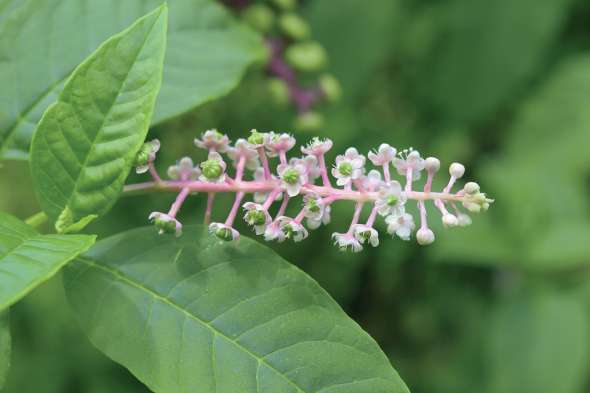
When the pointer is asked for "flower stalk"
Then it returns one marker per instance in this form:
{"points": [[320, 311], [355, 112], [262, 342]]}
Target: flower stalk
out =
{"points": [[295, 178]]}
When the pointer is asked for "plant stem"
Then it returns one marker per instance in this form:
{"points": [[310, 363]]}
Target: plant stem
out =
{"points": [[36, 220]]}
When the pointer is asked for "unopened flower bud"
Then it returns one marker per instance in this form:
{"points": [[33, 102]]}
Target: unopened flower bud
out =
{"points": [[432, 164], [471, 188], [424, 236], [307, 56], [294, 26], [464, 220], [259, 17], [456, 170], [279, 91], [309, 121], [286, 5], [211, 169], [330, 87], [450, 220]]}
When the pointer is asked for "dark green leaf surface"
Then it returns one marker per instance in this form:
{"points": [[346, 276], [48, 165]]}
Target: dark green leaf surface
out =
{"points": [[5, 347], [28, 259], [191, 314], [86, 142], [41, 42]]}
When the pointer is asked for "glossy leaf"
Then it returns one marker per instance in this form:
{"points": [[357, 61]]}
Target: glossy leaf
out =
{"points": [[5, 347], [192, 314], [86, 142], [28, 259], [207, 54]]}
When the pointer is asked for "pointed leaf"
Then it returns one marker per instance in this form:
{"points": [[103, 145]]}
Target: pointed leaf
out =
{"points": [[28, 259], [86, 142], [41, 42], [192, 314], [5, 347]]}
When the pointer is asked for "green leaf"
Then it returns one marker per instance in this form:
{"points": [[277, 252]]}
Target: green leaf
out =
{"points": [[538, 343], [41, 42], [86, 142], [28, 259], [191, 313], [5, 347]]}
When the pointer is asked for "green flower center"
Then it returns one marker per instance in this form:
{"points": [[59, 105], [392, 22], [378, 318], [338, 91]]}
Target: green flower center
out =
{"points": [[291, 176], [224, 234], [167, 226], [313, 206], [255, 217], [212, 169], [345, 168], [391, 200], [256, 138]]}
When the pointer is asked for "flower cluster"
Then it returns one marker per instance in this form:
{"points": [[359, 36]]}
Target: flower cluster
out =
{"points": [[305, 180]]}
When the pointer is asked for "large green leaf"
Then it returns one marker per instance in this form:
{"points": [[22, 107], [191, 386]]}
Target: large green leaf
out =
{"points": [[42, 41], [539, 342], [5, 347], [28, 259], [86, 142], [192, 314]]}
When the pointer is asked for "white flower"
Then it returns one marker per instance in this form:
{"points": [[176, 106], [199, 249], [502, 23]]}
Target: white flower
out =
{"points": [[364, 233], [313, 207], [276, 143], [317, 147], [424, 236], [243, 149], [223, 232], [274, 232], [213, 169], [312, 169], [184, 170], [346, 241], [213, 140], [256, 216], [256, 139], [146, 155], [409, 159], [166, 223], [390, 199], [449, 220], [400, 224], [348, 167], [293, 177], [291, 229], [383, 156], [373, 180], [314, 223]]}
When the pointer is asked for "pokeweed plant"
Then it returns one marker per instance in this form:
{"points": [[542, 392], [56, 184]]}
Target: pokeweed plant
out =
{"points": [[192, 313]]}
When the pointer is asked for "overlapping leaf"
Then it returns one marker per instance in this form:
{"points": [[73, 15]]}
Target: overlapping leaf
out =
{"points": [[5, 347], [41, 42], [189, 313], [28, 259], [86, 142]]}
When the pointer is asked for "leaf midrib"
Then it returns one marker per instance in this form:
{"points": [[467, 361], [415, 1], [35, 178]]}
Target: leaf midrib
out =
{"points": [[122, 277]]}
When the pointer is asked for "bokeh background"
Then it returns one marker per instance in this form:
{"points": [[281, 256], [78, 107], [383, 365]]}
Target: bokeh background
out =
{"points": [[503, 306]]}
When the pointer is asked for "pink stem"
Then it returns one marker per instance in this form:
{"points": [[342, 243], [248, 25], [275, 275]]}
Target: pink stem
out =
{"points": [[324, 170], [283, 157], [264, 160], [428, 185], [210, 200], [452, 181], [240, 168], [234, 210], [271, 198], [386, 174], [441, 206], [283, 207], [357, 215], [178, 202], [372, 217], [154, 172], [409, 180], [423, 219], [299, 216]]}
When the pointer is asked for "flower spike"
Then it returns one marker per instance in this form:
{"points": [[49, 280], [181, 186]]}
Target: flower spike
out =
{"points": [[278, 180]]}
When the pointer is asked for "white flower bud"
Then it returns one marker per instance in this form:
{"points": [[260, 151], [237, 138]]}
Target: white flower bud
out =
{"points": [[456, 170], [432, 164], [424, 236], [450, 220], [471, 188], [464, 220]]}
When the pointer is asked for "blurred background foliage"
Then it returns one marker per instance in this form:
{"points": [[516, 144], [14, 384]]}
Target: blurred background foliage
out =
{"points": [[500, 307]]}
